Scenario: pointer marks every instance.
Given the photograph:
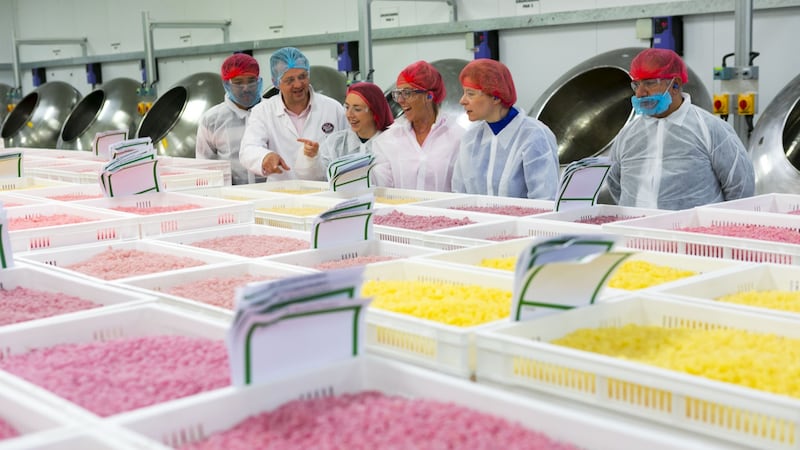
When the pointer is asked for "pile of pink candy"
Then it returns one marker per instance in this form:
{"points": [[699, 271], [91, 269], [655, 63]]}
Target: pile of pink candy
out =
{"points": [[599, 220], [508, 210], [121, 375], [372, 420], [418, 222], [43, 220], [216, 291], [750, 231], [156, 209], [253, 246], [113, 264], [22, 304]]}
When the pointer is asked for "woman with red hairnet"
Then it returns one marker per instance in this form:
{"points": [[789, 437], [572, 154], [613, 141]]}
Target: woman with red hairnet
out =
{"points": [[508, 153], [673, 154], [368, 114], [418, 151], [221, 127]]}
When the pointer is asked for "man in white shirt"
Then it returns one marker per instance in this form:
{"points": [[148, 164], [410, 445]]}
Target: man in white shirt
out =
{"points": [[294, 121]]}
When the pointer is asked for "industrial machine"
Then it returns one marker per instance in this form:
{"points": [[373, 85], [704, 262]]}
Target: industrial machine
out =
{"points": [[37, 119]]}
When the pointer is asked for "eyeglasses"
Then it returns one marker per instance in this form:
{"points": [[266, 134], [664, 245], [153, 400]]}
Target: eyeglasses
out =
{"points": [[357, 109], [648, 84], [301, 78], [405, 94]]}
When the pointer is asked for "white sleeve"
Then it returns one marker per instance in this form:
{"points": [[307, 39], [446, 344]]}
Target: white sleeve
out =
{"points": [[204, 148], [256, 140], [309, 168]]}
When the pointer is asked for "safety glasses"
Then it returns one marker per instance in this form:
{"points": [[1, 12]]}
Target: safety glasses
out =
{"points": [[405, 94]]}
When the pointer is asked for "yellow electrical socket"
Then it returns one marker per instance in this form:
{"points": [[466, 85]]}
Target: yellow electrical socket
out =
{"points": [[746, 104], [721, 105]]}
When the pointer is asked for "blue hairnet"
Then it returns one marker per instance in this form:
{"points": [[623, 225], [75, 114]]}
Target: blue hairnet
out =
{"points": [[284, 59]]}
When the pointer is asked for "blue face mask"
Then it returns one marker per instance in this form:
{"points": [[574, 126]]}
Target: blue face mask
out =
{"points": [[652, 105], [247, 95]]}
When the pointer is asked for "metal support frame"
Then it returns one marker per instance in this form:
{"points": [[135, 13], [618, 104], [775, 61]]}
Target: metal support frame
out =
{"points": [[17, 43], [743, 34], [149, 51]]}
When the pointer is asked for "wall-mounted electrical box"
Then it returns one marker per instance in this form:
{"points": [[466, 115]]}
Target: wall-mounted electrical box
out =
{"points": [[347, 56], [39, 76], [668, 33], [485, 44], [721, 104], [746, 104], [94, 74]]}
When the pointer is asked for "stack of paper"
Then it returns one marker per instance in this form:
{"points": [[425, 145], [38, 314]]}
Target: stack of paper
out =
{"points": [[346, 223], [10, 163], [132, 171], [104, 140], [6, 257], [296, 324], [581, 182], [555, 274], [350, 172]]}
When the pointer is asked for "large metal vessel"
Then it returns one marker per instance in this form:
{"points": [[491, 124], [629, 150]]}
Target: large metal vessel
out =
{"points": [[588, 105], [113, 106], [5, 93], [172, 121], [37, 119], [329, 81], [775, 143]]}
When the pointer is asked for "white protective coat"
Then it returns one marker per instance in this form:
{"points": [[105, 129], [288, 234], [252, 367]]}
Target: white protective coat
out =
{"points": [[520, 161], [338, 144], [400, 161], [687, 159], [219, 136], [270, 129]]}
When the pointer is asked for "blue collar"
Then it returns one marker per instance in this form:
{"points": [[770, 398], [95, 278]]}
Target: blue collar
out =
{"points": [[498, 126]]}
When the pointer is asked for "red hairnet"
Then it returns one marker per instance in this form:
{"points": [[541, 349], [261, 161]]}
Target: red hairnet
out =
{"points": [[422, 75], [237, 65], [491, 77], [658, 63], [373, 97]]}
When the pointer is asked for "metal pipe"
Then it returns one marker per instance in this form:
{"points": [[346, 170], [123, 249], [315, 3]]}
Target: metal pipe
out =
{"points": [[743, 34], [365, 44], [149, 56], [15, 64]]}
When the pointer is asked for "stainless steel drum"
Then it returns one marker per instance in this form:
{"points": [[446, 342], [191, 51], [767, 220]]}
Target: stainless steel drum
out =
{"points": [[775, 143], [329, 81], [37, 119], [5, 93], [450, 69], [110, 107], [172, 121], [587, 106]]}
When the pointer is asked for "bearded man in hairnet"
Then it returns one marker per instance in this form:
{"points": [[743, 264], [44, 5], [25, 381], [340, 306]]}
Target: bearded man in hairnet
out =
{"points": [[295, 121], [219, 133], [507, 153], [674, 155]]}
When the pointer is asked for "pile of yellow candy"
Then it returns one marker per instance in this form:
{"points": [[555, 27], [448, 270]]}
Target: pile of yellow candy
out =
{"points": [[297, 191], [766, 362], [299, 211], [451, 304], [499, 263], [633, 275], [781, 300], [394, 201]]}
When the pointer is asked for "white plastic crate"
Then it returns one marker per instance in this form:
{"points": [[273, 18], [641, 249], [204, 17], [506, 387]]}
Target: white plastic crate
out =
{"points": [[103, 226], [27, 415], [268, 211], [212, 212], [761, 277], [239, 193], [13, 199], [188, 238], [97, 436], [315, 257], [187, 421], [660, 233], [57, 193], [135, 321], [43, 279], [57, 154], [222, 165], [159, 284], [442, 347], [83, 172], [484, 233], [181, 178], [588, 213], [27, 182], [385, 196], [425, 238], [520, 355], [765, 203], [491, 201], [60, 259], [291, 187]]}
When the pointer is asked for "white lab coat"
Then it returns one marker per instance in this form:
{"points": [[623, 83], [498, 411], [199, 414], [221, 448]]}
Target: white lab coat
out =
{"points": [[400, 161], [520, 161], [219, 136], [687, 159], [270, 129], [338, 144]]}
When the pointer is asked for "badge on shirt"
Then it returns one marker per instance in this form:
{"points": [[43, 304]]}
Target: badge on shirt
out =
{"points": [[327, 128]]}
